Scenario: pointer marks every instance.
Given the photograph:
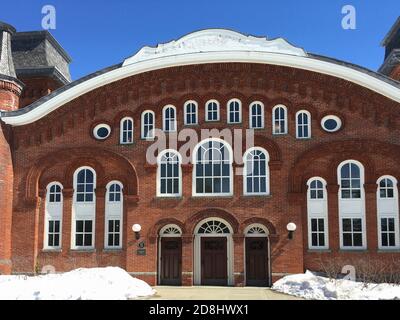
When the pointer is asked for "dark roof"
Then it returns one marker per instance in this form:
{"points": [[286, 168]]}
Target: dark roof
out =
{"points": [[372, 73], [392, 32], [38, 53], [58, 91], [391, 61], [6, 60]]}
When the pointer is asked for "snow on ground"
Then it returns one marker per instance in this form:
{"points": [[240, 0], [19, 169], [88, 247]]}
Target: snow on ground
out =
{"points": [[111, 283], [310, 286]]}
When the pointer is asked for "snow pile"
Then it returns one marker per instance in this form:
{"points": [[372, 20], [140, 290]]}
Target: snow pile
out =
{"points": [[310, 286], [111, 283]]}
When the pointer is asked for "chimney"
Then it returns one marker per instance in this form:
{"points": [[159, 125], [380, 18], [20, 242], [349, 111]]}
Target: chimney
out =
{"points": [[10, 86]]}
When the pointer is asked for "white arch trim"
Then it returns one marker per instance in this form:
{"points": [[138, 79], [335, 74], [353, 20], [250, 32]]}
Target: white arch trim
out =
{"points": [[211, 46], [197, 249]]}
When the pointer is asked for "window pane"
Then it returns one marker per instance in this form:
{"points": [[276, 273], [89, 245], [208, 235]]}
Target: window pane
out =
{"points": [[347, 240], [347, 225], [358, 240], [79, 226], [88, 239], [357, 225]]}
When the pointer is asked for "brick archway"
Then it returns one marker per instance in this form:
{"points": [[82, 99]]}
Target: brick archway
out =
{"points": [[193, 220], [335, 152], [76, 157]]}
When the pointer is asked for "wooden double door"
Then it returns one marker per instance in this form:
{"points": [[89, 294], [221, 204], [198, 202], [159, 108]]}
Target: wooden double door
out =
{"points": [[171, 261], [257, 264]]}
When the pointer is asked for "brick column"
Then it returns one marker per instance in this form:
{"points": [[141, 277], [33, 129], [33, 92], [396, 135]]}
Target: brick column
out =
{"points": [[67, 219], [371, 216], [100, 216], [333, 217], [238, 260], [187, 259]]}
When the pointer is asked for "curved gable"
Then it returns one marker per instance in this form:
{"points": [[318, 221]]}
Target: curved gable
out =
{"points": [[205, 47]]}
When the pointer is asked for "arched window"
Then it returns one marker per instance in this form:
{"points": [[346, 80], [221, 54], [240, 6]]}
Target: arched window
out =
{"points": [[256, 172], [213, 227], [170, 230], [303, 125], [352, 205], [234, 111], [53, 216], [317, 209], [126, 131], [256, 230], [190, 108], [113, 216], [256, 115], [212, 110], [279, 119], [148, 121], [169, 174], [350, 181], [169, 121], [213, 168], [388, 212], [84, 208]]}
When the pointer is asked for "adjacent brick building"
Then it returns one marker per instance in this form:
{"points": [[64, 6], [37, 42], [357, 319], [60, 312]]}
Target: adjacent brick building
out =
{"points": [[298, 170]]}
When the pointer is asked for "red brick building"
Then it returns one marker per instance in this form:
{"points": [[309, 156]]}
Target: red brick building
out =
{"points": [[218, 158]]}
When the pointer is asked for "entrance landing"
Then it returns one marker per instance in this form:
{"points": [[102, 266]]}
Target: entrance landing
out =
{"points": [[218, 293]]}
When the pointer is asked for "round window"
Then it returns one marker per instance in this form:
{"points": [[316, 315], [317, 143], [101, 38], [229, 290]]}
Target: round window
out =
{"points": [[101, 131], [331, 123]]}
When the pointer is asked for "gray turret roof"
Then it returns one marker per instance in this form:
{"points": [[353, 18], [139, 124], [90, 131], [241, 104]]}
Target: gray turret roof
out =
{"points": [[6, 61]]}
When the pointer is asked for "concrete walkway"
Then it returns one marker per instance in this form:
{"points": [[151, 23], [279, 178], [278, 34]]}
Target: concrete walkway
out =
{"points": [[218, 293]]}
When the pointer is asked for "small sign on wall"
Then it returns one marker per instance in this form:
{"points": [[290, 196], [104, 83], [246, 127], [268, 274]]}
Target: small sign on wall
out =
{"points": [[141, 251]]}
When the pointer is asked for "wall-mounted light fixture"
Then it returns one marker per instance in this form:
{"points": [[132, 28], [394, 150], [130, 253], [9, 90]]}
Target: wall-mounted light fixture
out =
{"points": [[136, 228], [291, 227]]}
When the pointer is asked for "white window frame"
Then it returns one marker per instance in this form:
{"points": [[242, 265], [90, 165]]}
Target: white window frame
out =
{"points": [[317, 209], [302, 126], [352, 208], [207, 112], [267, 173], [123, 131], [53, 212], [194, 161], [158, 183], [113, 211], [143, 125], [229, 111], [251, 115], [274, 131], [172, 121], [83, 211], [388, 208], [196, 106]]}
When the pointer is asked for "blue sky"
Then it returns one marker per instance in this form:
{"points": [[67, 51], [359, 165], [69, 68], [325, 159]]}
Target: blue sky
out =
{"points": [[100, 33]]}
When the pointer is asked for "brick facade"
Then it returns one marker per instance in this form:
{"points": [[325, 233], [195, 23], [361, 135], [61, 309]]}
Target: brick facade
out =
{"points": [[52, 148]]}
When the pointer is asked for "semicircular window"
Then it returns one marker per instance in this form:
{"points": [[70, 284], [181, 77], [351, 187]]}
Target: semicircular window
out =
{"points": [[256, 230], [171, 231], [102, 131], [331, 123], [214, 227]]}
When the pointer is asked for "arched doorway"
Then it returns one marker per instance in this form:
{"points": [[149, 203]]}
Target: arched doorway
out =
{"points": [[170, 256], [213, 253], [257, 256]]}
